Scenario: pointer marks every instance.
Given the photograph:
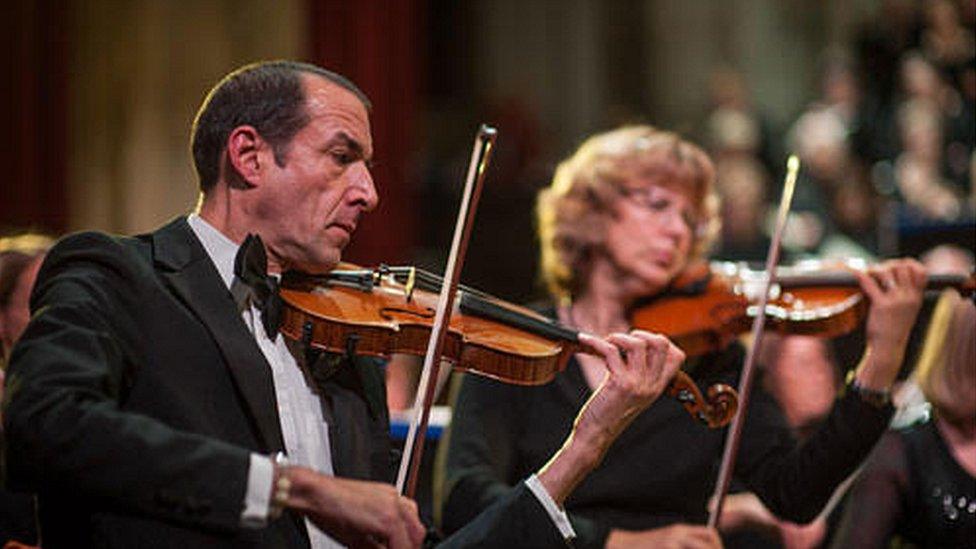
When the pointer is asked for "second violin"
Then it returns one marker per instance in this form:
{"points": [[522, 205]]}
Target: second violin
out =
{"points": [[714, 303]]}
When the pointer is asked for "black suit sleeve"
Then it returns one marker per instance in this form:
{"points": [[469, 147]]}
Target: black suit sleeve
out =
{"points": [[66, 427], [481, 456], [516, 519], [483, 466]]}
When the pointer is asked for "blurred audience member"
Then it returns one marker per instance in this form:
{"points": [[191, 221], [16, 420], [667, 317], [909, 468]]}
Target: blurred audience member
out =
{"points": [[800, 373], [945, 40], [954, 134], [835, 211], [917, 170], [840, 89], [854, 215], [879, 45], [735, 126], [948, 259], [920, 482], [819, 138], [742, 185], [20, 259]]}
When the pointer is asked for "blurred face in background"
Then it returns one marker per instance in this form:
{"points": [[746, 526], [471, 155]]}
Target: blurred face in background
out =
{"points": [[15, 310]]}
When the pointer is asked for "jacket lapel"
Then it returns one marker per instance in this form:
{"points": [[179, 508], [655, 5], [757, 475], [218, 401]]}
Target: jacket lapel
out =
{"points": [[186, 268]]}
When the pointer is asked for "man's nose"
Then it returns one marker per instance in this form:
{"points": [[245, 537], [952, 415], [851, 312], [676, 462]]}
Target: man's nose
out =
{"points": [[366, 190]]}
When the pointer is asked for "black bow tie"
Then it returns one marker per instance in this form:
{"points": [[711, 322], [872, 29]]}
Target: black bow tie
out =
{"points": [[251, 267]]}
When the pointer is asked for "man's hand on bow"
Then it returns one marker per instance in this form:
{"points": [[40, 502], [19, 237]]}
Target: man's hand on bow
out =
{"points": [[356, 513]]}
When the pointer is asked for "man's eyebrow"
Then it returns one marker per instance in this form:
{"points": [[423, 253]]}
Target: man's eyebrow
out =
{"points": [[342, 138]]}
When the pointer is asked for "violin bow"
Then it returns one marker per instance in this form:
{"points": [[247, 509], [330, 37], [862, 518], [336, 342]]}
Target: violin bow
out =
{"points": [[758, 327], [413, 446]]}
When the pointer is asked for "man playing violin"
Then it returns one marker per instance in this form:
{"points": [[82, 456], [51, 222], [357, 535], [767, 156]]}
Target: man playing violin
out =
{"points": [[622, 219], [151, 399]]}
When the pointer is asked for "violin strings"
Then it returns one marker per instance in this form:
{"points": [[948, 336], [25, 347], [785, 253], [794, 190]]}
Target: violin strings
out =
{"points": [[436, 281], [486, 305]]}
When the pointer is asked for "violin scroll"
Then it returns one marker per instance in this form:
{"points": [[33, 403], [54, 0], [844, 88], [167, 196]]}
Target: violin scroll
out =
{"points": [[715, 411]]}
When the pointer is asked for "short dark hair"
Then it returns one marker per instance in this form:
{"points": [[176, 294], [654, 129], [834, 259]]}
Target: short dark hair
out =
{"points": [[267, 95]]}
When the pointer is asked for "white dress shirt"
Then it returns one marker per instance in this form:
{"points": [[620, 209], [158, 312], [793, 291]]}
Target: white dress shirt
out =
{"points": [[303, 427]]}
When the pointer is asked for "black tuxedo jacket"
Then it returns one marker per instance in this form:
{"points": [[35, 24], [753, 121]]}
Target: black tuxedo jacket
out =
{"points": [[136, 395]]}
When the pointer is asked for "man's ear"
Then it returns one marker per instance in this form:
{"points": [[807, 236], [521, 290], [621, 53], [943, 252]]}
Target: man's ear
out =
{"points": [[247, 155]]}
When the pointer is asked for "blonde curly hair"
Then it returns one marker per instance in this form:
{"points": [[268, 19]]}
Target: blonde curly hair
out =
{"points": [[572, 212], [946, 368]]}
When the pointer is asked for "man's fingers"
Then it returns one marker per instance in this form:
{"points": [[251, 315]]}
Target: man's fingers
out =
{"points": [[365, 513], [705, 538], [415, 528], [669, 356], [676, 357], [401, 527], [697, 537], [408, 531], [634, 349], [370, 542], [609, 353], [398, 537]]}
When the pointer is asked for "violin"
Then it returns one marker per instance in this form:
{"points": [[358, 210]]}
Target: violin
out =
{"points": [[710, 304], [388, 310]]}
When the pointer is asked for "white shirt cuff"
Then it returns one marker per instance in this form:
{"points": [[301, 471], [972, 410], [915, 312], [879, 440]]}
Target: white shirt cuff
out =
{"points": [[257, 500], [557, 515]]}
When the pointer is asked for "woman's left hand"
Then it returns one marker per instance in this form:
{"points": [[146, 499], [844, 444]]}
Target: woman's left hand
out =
{"points": [[895, 289]]}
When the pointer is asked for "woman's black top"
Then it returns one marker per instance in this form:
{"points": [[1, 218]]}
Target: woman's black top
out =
{"points": [[911, 487], [662, 469]]}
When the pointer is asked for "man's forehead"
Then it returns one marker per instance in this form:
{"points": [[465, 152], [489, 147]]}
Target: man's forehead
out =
{"points": [[325, 98]]}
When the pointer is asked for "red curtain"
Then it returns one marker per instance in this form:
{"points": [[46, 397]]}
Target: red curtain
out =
{"points": [[378, 44], [33, 110]]}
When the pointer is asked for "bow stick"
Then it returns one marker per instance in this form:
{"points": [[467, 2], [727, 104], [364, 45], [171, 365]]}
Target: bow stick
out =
{"points": [[758, 327], [413, 446]]}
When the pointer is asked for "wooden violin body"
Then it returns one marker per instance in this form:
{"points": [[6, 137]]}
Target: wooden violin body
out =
{"points": [[715, 303], [381, 312]]}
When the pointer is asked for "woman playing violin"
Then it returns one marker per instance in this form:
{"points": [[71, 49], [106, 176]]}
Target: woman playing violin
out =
{"points": [[623, 217]]}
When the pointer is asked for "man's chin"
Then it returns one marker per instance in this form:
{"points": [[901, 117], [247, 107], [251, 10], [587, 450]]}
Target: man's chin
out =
{"points": [[318, 265]]}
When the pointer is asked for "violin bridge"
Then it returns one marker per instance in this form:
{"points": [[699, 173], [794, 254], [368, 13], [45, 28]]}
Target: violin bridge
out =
{"points": [[411, 283]]}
